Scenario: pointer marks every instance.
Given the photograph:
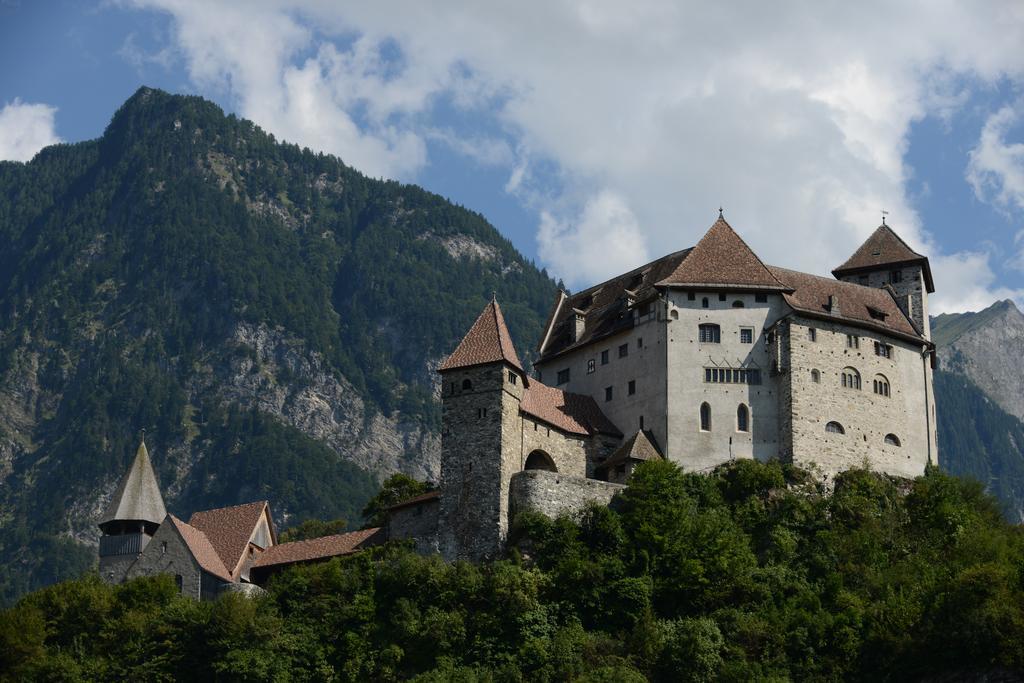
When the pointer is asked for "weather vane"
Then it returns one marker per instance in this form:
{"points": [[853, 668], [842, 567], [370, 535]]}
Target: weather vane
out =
{"points": [[884, 214]]}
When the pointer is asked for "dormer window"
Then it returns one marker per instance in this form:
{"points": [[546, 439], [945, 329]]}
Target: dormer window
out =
{"points": [[586, 301], [636, 281], [876, 314]]}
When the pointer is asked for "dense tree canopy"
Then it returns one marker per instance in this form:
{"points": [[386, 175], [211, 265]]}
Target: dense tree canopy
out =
{"points": [[751, 573]]}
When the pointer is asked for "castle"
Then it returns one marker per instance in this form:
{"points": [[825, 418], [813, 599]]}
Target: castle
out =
{"points": [[700, 357]]}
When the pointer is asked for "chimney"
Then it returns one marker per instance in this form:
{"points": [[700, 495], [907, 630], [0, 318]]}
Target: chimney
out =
{"points": [[833, 304], [579, 324]]}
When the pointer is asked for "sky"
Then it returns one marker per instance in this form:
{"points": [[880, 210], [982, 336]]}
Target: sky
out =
{"points": [[596, 136]]}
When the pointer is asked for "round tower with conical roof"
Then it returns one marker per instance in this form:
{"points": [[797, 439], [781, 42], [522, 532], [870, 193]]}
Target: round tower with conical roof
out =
{"points": [[132, 517]]}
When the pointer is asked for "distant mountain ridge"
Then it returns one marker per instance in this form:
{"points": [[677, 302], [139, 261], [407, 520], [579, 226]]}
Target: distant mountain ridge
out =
{"points": [[979, 399], [271, 316]]}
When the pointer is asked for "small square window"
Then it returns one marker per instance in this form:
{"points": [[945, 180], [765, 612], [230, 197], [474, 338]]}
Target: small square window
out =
{"points": [[608, 393], [512, 377], [721, 297], [623, 350], [746, 335], [563, 376], [604, 357], [591, 366], [691, 296], [761, 298], [632, 387], [896, 276]]}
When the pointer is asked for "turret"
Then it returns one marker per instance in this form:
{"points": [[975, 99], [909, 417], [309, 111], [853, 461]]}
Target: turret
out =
{"points": [[133, 516], [482, 389], [885, 260]]}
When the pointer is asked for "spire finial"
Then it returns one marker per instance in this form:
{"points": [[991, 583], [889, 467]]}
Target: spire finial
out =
{"points": [[494, 296], [142, 435], [720, 211], [884, 214]]}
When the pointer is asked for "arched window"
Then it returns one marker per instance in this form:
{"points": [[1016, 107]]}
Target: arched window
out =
{"points": [[704, 303], [710, 333], [742, 418], [705, 417], [539, 460], [467, 385], [892, 440], [834, 428], [880, 385], [816, 376], [674, 315], [737, 304], [850, 378]]}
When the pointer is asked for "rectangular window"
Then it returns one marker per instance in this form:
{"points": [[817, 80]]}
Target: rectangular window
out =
{"points": [[632, 387], [641, 422], [608, 393], [563, 376], [707, 374], [591, 366], [896, 276], [623, 350], [746, 335], [732, 375], [761, 298], [604, 357], [721, 297], [691, 296], [639, 342], [812, 334], [512, 377], [883, 350], [852, 341], [710, 334]]}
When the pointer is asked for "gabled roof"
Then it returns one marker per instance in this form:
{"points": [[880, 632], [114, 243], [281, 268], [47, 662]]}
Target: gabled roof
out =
{"points": [[640, 446], [884, 248], [572, 413], [138, 495], [487, 341], [229, 529], [722, 259], [811, 292], [605, 307], [201, 548], [319, 548]]}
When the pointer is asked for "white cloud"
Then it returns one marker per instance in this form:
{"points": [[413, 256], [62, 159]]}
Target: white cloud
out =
{"points": [[965, 282], [25, 129], [793, 116], [996, 168]]}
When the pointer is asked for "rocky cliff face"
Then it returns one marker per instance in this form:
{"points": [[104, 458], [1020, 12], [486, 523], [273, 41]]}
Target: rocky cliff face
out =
{"points": [[986, 347]]}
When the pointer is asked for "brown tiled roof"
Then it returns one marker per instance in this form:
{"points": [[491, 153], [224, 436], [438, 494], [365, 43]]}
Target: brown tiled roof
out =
{"points": [[604, 306], [201, 548], [415, 500], [640, 446], [229, 529], [572, 413], [138, 495], [319, 548], [722, 259], [487, 341], [810, 295], [884, 248]]}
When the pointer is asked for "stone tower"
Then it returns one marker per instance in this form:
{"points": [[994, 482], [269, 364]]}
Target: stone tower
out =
{"points": [[885, 260], [133, 516], [482, 389]]}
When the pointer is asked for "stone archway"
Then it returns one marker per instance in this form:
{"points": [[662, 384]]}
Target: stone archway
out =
{"points": [[539, 460]]}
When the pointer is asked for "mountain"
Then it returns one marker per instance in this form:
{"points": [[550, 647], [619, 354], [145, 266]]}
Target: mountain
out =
{"points": [[269, 315], [979, 400]]}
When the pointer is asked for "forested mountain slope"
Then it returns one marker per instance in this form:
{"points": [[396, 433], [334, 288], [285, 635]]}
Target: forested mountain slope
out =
{"points": [[271, 317]]}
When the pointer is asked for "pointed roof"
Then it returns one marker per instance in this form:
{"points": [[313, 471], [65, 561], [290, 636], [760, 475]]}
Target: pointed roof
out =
{"points": [[229, 529], [201, 548], [884, 248], [138, 495], [722, 259], [640, 446], [320, 548], [487, 341]]}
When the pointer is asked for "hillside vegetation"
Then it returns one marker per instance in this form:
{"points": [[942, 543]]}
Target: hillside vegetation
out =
{"points": [[750, 573], [270, 316]]}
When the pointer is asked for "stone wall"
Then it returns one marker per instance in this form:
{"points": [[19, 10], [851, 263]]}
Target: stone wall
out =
{"points": [[417, 523], [866, 417], [568, 451], [168, 554], [552, 493], [911, 293]]}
